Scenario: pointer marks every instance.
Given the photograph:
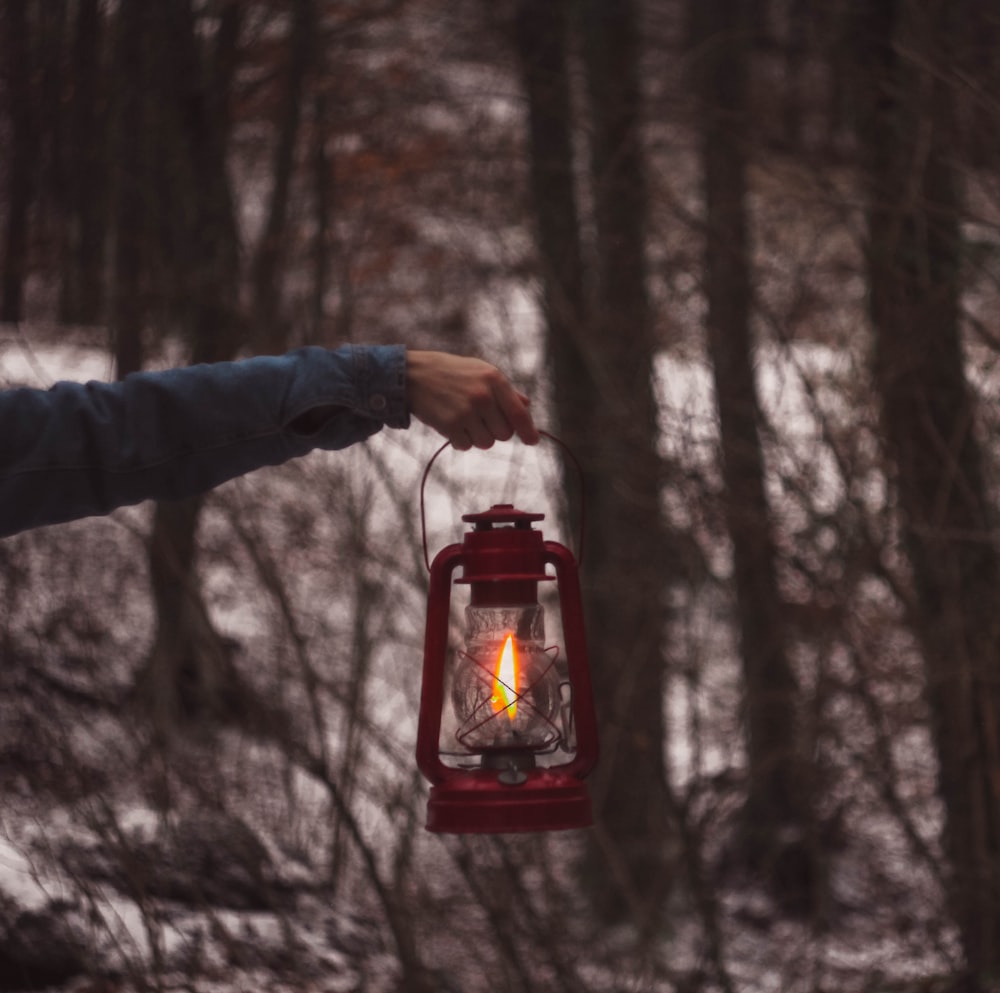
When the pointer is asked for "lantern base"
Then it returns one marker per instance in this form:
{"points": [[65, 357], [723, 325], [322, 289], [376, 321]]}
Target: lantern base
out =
{"points": [[476, 802]]}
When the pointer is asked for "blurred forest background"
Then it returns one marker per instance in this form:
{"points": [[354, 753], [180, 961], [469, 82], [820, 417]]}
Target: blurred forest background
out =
{"points": [[746, 259]]}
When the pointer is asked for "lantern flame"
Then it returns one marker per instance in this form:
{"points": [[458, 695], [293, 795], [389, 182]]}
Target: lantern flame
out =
{"points": [[506, 680]]}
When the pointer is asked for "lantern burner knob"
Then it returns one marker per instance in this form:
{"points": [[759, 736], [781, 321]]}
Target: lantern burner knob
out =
{"points": [[512, 777], [510, 765]]}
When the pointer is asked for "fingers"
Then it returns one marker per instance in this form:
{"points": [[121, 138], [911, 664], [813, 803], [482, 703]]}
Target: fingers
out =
{"points": [[480, 435], [496, 423], [514, 407], [481, 430], [460, 441], [467, 400], [500, 414]]}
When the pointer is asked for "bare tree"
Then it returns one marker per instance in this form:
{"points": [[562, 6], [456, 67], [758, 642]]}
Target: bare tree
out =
{"points": [[132, 216], [189, 672], [23, 157], [630, 567], [86, 159], [600, 351], [776, 825], [270, 253], [929, 423]]}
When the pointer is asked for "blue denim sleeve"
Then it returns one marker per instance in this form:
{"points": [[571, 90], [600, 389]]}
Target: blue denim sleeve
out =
{"points": [[82, 449]]}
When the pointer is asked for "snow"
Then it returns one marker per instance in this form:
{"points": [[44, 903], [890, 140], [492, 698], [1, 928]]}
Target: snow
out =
{"points": [[377, 487], [18, 878]]}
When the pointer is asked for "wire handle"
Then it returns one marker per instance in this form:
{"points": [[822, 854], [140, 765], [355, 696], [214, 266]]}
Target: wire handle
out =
{"points": [[545, 434]]}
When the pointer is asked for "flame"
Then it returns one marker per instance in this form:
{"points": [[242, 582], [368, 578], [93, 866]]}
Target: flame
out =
{"points": [[506, 680]]}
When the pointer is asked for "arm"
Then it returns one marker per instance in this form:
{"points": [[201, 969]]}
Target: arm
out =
{"points": [[83, 449]]}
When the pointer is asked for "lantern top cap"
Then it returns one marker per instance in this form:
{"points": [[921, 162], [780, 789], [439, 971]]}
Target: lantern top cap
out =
{"points": [[502, 513]]}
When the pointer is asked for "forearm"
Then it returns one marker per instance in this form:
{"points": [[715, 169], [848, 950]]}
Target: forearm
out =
{"points": [[77, 450]]}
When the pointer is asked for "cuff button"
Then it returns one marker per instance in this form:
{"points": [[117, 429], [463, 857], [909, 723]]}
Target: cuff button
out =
{"points": [[377, 402]]}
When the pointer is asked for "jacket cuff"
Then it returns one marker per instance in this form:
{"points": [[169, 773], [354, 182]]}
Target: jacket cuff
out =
{"points": [[381, 379], [368, 381]]}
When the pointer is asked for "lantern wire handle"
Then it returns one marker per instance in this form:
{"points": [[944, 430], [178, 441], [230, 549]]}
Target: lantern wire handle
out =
{"points": [[544, 434]]}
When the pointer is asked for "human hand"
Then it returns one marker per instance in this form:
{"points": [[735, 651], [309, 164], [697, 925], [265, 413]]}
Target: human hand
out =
{"points": [[467, 400]]}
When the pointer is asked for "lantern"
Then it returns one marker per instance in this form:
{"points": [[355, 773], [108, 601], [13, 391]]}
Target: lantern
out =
{"points": [[507, 731]]}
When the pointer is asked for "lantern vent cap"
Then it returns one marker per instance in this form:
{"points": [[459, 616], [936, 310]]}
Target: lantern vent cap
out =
{"points": [[500, 514]]}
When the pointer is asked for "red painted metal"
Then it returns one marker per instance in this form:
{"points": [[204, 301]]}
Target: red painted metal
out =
{"points": [[502, 560]]}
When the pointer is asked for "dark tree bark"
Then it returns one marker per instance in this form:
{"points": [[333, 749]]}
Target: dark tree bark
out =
{"points": [[600, 354], [324, 189], [210, 266], [22, 155], [189, 674], [86, 161], [270, 254], [542, 40], [777, 822], [131, 216], [976, 40], [630, 567], [796, 93], [929, 425]]}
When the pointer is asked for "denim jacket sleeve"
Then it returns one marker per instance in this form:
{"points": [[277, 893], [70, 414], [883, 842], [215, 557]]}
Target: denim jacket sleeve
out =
{"points": [[82, 449]]}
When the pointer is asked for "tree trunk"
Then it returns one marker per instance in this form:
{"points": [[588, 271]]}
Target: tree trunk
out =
{"points": [[601, 364], [542, 39], [929, 423], [82, 298], [629, 569], [324, 178], [977, 40], [22, 151], [777, 824], [131, 186], [189, 674], [269, 258]]}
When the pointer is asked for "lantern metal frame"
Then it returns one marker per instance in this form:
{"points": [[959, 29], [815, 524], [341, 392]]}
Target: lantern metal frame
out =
{"points": [[501, 558]]}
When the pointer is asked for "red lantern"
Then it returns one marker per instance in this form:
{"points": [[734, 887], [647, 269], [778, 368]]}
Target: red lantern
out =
{"points": [[507, 732]]}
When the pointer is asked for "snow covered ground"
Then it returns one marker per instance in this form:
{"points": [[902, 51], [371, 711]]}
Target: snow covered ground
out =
{"points": [[104, 848]]}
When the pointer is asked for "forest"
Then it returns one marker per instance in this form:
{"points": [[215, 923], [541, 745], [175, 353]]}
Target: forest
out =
{"points": [[744, 257]]}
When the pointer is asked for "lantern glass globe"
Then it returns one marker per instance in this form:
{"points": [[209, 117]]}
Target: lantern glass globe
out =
{"points": [[506, 689]]}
